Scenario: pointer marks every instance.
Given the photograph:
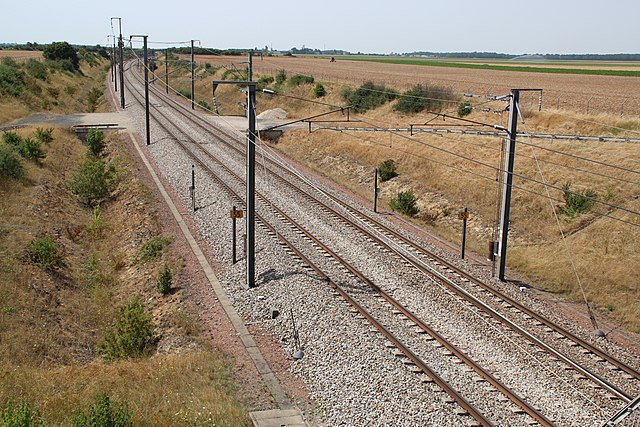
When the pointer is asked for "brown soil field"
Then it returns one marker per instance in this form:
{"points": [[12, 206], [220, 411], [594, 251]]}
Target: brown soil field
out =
{"points": [[574, 92], [19, 55]]}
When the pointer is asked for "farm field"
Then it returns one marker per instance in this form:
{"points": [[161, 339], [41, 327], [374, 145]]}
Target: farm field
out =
{"points": [[20, 54], [618, 95]]}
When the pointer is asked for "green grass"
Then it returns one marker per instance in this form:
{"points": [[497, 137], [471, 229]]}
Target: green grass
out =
{"points": [[484, 66]]}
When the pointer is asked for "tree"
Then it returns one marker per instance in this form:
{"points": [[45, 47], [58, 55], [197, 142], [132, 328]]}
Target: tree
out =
{"points": [[62, 51]]}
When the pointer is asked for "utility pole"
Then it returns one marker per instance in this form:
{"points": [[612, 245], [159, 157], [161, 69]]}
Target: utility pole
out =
{"points": [[114, 63], [250, 177], [121, 46], [166, 69], [375, 189], [193, 78], [508, 180], [146, 87]]}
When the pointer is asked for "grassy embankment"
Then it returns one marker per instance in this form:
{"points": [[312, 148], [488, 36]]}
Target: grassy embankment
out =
{"points": [[60, 301], [603, 249]]}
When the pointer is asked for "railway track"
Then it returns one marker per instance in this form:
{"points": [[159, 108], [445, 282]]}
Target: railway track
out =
{"points": [[411, 254]]}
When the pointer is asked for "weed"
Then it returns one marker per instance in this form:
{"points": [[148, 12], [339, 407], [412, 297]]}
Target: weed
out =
{"points": [[95, 142], [203, 104], [93, 181], [93, 276], [130, 335], [319, 91], [185, 93], [20, 416], [387, 170], [10, 163], [405, 202], [103, 413], [44, 252], [93, 99], [153, 248], [281, 76], [577, 203], [96, 225], [164, 280], [31, 149], [299, 79], [464, 108], [43, 136]]}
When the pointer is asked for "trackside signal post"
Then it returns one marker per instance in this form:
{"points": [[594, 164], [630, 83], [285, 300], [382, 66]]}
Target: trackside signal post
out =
{"points": [[250, 177]]}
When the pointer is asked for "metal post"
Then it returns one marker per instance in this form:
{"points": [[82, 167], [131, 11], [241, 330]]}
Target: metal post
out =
{"points": [[121, 45], [251, 186], [465, 216], [508, 180], [375, 190], [233, 247], [166, 69], [146, 87], [193, 187], [193, 78]]}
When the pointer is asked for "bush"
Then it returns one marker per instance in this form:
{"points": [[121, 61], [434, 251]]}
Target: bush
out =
{"points": [[36, 69], [164, 280], [185, 93], [44, 252], [30, 149], [44, 136], [154, 247], [299, 79], [63, 53], [10, 164], [203, 104], [319, 91], [281, 76], [577, 203], [387, 170], [423, 97], [405, 202], [11, 138], [368, 96], [130, 335], [95, 142], [20, 416], [103, 413], [93, 99], [266, 80], [11, 79], [93, 181], [464, 108]]}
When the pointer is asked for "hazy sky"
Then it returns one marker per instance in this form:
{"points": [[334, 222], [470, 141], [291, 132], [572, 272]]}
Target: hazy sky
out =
{"points": [[374, 26]]}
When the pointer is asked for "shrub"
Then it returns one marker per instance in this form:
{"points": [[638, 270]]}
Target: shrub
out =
{"points": [[11, 79], [464, 108], [266, 80], [44, 136], [203, 104], [93, 99], [103, 413], [93, 181], [387, 170], [11, 138], [164, 280], [30, 149], [20, 416], [299, 79], [130, 335], [44, 252], [36, 69], [185, 93], [10, 164], [319, 91], [368, 96], [63, 53], [405, 202], [577, 203], [153, 248], [281, 76], [95, 142], [423, 97]]}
